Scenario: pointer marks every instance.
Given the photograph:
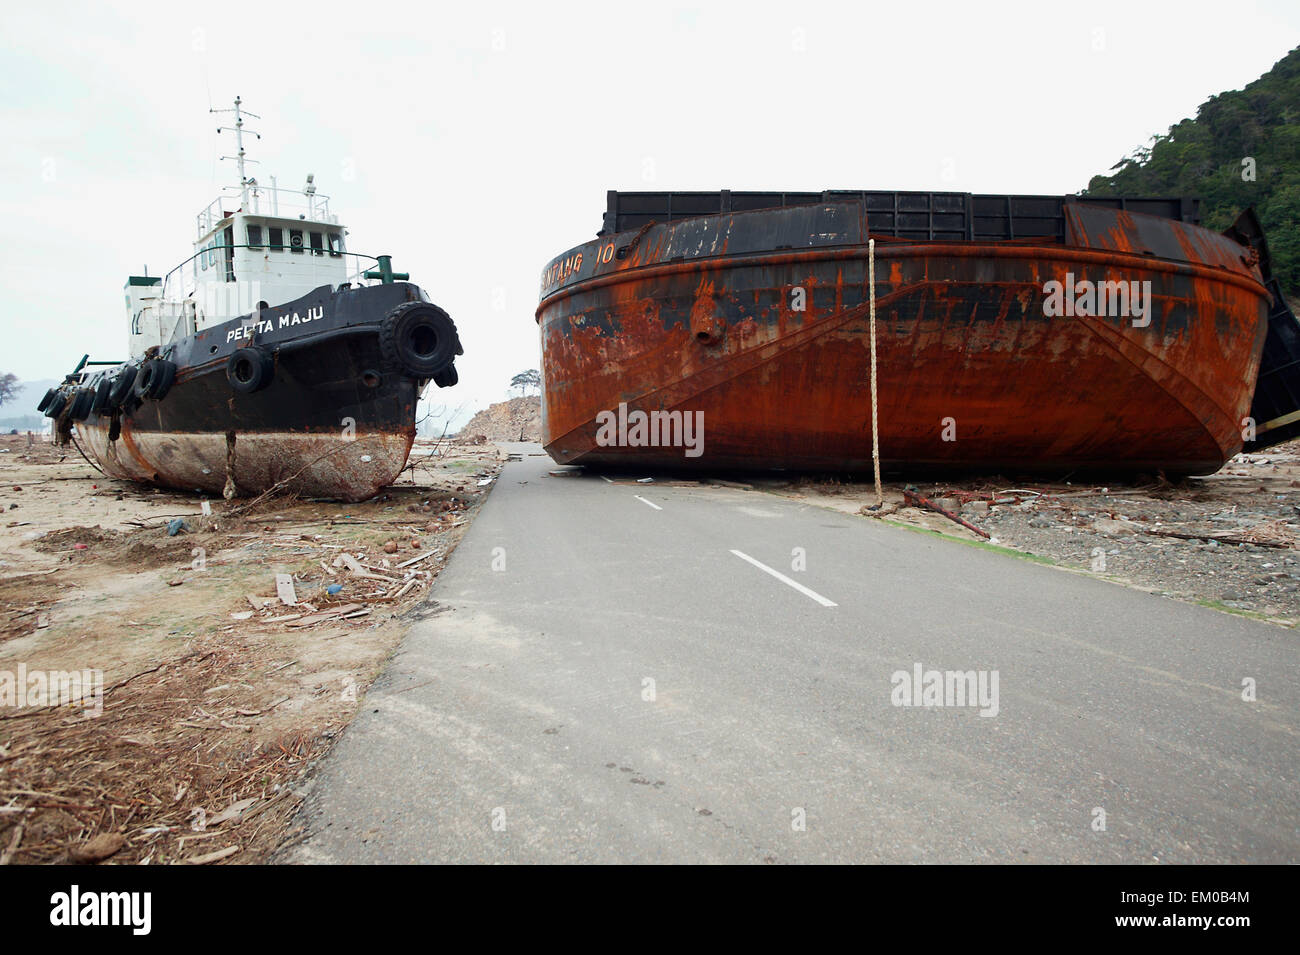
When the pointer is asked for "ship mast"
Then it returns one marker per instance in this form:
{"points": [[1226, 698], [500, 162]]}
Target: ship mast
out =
{"points": [[238, 130]]}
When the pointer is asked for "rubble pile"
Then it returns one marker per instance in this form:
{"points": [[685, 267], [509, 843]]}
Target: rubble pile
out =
{"points": [[519, 419], [1229, 539], [354, 582]]}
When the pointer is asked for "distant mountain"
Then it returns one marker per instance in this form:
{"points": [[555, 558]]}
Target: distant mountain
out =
{"points": [[1208, 155], [20, 413]]}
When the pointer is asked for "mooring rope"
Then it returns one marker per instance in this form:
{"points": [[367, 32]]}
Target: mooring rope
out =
{"points": [[76, 445], [875, 436]]}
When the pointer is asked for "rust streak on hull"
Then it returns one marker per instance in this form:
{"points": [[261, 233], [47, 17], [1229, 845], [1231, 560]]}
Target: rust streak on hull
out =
{"points": [[325, 465], [963, 340]]}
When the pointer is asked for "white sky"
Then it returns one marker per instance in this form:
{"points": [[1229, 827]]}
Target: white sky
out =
{"points": [[482, 140]]}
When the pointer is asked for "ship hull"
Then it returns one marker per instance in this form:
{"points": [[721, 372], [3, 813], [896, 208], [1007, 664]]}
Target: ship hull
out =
{"points": [[972, 373], [317, 427], [335, 418]]}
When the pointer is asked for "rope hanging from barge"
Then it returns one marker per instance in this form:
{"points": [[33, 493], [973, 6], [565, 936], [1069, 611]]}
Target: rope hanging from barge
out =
{"points": [[875, 435]]}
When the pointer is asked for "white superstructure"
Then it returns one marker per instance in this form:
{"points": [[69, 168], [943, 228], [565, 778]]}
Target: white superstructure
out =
{"points": [[256, 246]]}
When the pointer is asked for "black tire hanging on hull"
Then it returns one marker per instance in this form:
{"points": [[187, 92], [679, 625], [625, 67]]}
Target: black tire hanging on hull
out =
{"points": [[102, 391], [81, 404], [250, 369], [155, 379], [419, 340], [447, 377], [121, 387], [56, 405]]}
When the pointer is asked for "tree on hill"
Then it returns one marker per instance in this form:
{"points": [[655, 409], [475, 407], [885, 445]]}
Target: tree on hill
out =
{"points": [[1241, 150], [9, 387], [526, 381]]}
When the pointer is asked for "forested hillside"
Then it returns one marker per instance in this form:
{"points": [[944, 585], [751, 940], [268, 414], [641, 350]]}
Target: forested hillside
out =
{"points": [[1242, 149]]}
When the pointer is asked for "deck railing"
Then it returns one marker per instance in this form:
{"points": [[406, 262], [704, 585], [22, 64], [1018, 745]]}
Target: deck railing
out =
{"points": [[359, 269], [265, 201]]}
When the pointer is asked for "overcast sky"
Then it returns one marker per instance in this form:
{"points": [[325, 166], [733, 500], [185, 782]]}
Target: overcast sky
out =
{"points": [[475, 142]]}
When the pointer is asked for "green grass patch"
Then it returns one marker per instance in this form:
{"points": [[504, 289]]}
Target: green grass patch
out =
{"points": [[981, 544], [1222, 607]]}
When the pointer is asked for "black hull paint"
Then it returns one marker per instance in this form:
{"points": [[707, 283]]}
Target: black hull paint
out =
{"points": [[336, 419]]}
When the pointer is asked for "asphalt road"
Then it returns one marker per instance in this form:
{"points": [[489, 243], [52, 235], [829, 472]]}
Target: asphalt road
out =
{"points": [[646, 677]]}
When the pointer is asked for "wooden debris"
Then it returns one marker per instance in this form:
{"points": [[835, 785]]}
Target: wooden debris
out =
{"points": [[265, 709], [285, 619], [217, 856], [100, 847], [315, 618], [14, 841], [232, 813], [284, 588], [354, 565], [1247, 538], [917, 500]]}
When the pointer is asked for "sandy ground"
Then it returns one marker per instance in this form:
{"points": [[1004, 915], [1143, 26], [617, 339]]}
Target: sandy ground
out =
{"points": [[215, 694]]}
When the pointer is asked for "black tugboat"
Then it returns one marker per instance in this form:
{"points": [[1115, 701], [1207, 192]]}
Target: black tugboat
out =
{"points": [[272, 356]]}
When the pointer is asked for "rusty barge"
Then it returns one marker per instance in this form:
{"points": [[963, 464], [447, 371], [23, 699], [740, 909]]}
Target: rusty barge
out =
{"points": [[1013, 333], [272, 357]]}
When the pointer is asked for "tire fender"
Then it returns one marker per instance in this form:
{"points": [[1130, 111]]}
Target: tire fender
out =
{"points": [[250, 369], [122, 385], [155, 378], [102, 390], [419, 340], [56, 405], [81, 402]]}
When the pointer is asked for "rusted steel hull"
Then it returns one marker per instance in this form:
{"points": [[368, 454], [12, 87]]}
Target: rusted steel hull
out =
{"points": [[972, 373], [332, 415], [324, 465]]}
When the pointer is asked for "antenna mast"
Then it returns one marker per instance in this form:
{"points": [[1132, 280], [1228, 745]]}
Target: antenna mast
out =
{"points": [[238, 130]]}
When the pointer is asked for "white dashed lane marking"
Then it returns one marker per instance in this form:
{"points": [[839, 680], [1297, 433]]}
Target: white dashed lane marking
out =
{"points": [[785, 580], [651, 503]]}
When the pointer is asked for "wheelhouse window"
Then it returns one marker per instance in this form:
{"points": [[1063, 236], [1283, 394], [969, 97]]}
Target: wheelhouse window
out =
{"points": [[295, 240], [276, 237], [203, 260], [317, 243], [336, 243], [255, 236]]}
